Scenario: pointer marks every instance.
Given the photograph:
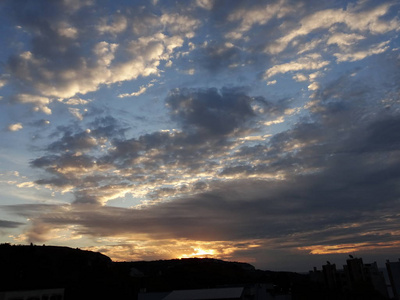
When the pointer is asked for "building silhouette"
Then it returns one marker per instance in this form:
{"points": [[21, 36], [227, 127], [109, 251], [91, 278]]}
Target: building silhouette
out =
{"points": [[356, 279], [330, 276], [393, 269]]}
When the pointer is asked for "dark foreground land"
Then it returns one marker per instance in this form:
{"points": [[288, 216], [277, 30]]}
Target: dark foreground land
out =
{"points": [[91, 275]]}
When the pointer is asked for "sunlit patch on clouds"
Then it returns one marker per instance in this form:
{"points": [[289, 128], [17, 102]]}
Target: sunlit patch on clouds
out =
{"points": [[173, 249], [15, 127], [375, 49], [141, 90], [349, 248], [256, 131], [312, 61]]}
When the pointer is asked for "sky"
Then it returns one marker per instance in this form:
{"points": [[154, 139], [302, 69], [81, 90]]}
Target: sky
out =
{"points": [[265, 132]]}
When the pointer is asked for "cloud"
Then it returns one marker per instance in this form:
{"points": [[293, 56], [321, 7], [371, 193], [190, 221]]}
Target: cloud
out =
{"points": [[300, 77], [15, 127], [9, 224], [40, 123], [3, 81], [103, 165], [118, 24], [141, 90], [344, 40], [39, 103], [208, 111], [256, 15], [181, 25], [313, 86], [76, 101], [66, 58], [309, 62], [353, 17], [215, 56], [332, 173], [76, 4], [359, 55], [206, 4], [76, 113], [145, 56]]}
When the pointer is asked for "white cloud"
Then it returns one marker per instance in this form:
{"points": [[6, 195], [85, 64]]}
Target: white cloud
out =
{"points": [[313, 86], [279, 120], [315, 75], [25, 184], [168, 64], [143, 59], [15, 127], [146, 25], [105, 63], [66, 30], [181, 25], [311, 45], [118, 24], [76, 4], [292, 111], [271, 82], [359, 55], [344, 40], [257, 15], [76, 113], [147, 52], [141, 90], [206, 4], [309, 62], [361, 21], [105, 52], [40, 103], [369, 20], [3, 82], [300, 77], [75, 101], [190, 71]]}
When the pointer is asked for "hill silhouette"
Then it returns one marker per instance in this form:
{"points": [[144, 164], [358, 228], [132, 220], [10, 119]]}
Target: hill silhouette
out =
{"points": [[91, 275], [83, 274]]}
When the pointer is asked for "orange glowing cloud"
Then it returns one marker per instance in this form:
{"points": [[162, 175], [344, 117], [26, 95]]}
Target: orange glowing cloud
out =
{"points": [[133, 250], [348, 248]]}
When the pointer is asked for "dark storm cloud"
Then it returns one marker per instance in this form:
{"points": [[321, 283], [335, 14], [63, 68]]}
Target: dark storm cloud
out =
{"points": [[98, 131], [53, 162], [42, 20], [210, 121], [73, 142], [342, 188], [348, 188], [210, 112], [107, 126], [217, 56], [383, 135], [9, 224], [209, 118], [241, 210]]}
